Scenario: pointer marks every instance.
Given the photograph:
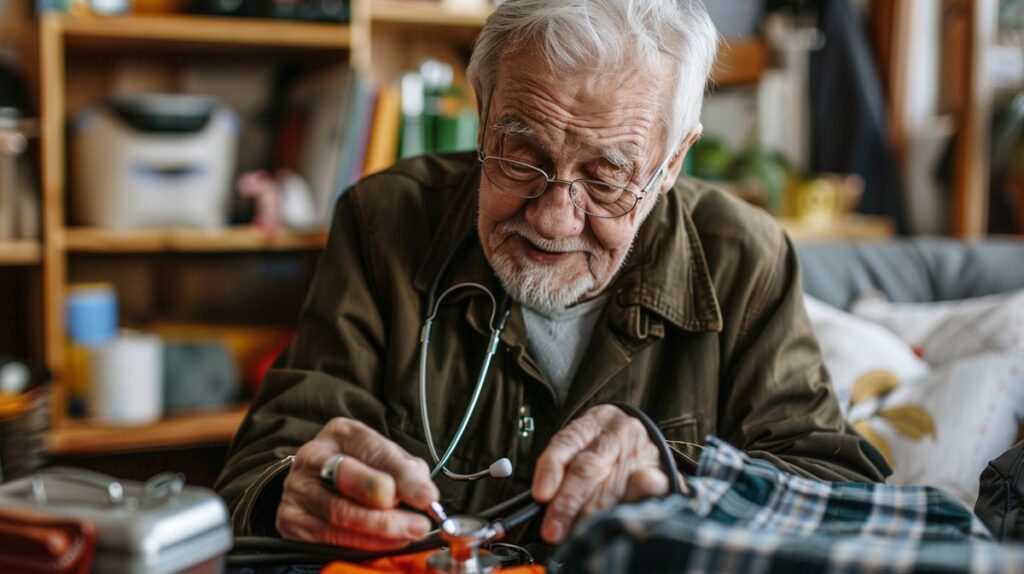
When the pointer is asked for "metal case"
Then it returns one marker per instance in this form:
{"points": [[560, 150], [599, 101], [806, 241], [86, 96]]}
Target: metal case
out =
{"points": [[160, 526]]}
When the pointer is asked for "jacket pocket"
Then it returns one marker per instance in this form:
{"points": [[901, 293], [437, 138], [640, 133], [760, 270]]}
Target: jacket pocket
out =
{"points": [[683, 435], [243, 519]]}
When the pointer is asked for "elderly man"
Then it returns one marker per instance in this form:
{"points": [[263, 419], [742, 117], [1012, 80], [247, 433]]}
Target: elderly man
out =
{"points": [[621, 283]]}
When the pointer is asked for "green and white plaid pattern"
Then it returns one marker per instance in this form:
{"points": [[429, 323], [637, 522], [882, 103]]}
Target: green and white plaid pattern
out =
{"points": [[745, 515]]}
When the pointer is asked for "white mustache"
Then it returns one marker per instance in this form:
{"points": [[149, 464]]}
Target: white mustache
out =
{"points": [[568, 245]]}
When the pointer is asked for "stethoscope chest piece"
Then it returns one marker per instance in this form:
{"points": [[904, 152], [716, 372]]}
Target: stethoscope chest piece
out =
{"points": [[463, 535]]}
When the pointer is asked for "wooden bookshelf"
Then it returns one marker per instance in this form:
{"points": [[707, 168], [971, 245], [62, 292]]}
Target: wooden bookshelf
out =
{"points": [[426, 14], [20, 253], [741, 61], [84, 436], [202, 31], [244, 238]]}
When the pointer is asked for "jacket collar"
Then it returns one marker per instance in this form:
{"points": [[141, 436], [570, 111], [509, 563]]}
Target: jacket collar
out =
{"points": [[667, 273]]}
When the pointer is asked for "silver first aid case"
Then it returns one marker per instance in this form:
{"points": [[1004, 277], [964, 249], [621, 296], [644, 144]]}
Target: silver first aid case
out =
{"points": [[157, 527]]}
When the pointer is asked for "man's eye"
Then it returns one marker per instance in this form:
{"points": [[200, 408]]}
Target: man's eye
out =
{"points": [[518, 171], [524, 158], [617, 177]]}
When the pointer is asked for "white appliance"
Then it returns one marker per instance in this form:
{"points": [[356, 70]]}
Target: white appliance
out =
{"points": [[154, 160]]}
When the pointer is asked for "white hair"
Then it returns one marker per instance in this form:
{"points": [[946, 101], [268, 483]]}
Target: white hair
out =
{"points": [[610, 35]]}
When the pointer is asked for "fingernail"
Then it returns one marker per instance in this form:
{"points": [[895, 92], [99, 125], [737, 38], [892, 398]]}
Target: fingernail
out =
{"points": [[553, 531], [381, 489], [545, 488], [419, 528], [425, 495]]}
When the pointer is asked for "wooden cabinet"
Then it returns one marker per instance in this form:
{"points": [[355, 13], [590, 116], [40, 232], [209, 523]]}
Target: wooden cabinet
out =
{"points": [[75, 53], [384, 38]]}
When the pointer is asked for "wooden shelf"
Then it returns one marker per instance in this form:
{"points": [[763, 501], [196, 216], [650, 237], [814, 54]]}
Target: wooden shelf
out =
{"points": [[20, 253], [204, 31], [740, 61], [233, 239], [424, 13], [847, 227], [83, 436]]}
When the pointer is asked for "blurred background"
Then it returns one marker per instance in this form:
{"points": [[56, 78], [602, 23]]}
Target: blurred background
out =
{"points": [[167, 170]]}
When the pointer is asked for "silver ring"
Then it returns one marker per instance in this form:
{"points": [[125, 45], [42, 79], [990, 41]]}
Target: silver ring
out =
{"points": [[329, 472]]}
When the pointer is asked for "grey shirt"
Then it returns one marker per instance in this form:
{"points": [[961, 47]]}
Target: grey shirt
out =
{"points": [[557, 342]]}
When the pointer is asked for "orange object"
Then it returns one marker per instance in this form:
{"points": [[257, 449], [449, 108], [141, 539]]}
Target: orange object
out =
{"points": [[410, 564], [156, 6]]}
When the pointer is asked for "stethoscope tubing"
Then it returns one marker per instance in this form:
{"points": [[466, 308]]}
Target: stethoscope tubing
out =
{"points": [[492, 349], [496, 323]]}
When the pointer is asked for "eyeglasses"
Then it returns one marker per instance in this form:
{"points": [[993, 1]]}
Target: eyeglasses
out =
{"points": [[595, 198]]}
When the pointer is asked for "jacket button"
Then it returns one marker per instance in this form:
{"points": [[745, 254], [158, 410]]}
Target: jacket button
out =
{"points": [[526, 424]]}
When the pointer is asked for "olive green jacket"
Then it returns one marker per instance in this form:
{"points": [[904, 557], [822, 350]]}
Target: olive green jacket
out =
{"points": [[705, 331]]}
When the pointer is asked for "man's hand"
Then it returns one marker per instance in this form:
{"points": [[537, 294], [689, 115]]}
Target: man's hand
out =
{"points": [[373, 477], [599, 460]]}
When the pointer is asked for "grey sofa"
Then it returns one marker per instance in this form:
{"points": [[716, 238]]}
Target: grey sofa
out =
{"points": [[912, 270]]}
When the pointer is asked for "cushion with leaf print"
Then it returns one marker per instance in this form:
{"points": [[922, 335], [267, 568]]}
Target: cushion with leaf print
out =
{"points": [[861, 355], [943, 429], [947, 331]]}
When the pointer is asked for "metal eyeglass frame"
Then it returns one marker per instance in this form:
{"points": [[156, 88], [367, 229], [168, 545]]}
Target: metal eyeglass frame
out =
{"points": [[637, 195]]}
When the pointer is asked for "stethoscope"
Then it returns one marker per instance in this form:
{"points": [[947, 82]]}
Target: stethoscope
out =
{"points": [[487, 526], [501, 468]]}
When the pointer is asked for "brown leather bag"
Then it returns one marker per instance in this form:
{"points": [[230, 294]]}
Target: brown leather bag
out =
{"points": [[36, 544]]}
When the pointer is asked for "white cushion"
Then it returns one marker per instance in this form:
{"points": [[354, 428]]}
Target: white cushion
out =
{"points": [[945, 332], [944, 429], [861, 354]]}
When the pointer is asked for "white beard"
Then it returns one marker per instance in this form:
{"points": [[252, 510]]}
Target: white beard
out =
{"points": [[536, 285], [531, 285]]}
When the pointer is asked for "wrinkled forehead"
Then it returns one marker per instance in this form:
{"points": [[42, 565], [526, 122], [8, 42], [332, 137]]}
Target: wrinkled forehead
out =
{"points": [[629, 106]]}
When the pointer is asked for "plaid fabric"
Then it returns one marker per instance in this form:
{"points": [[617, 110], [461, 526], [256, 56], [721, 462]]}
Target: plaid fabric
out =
{"points": [[746, 515]]}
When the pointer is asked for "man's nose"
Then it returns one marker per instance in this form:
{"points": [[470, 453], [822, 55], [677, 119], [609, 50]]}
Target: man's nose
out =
{"points": [[553, 215]]}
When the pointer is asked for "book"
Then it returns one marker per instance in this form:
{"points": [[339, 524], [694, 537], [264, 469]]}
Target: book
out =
{"points": [[413, 140], [387, 119], [324, 99], [364, 130], [356, 120]]}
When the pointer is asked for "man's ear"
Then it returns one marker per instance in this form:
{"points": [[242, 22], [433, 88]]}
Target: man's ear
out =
{"points": [[676, 164]]}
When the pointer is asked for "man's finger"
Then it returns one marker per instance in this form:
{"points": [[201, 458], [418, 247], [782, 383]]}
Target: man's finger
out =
{"points": [[564, 446], [411, 474], [645, 483], [294, 523], [352, 478], [586, 475], [364, 485], [344, 514]]}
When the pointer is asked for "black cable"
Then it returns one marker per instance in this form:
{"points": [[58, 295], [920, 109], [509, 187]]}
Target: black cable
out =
{"points": [[499, 509], [267, 551], [521, 516], [267, 560], [669, 461]]}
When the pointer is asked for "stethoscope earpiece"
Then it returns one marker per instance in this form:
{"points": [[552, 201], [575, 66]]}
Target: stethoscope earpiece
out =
{"points": [[501, 468]]}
